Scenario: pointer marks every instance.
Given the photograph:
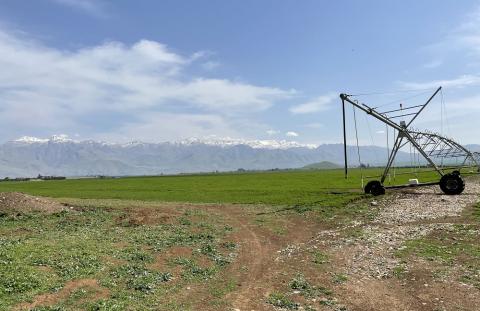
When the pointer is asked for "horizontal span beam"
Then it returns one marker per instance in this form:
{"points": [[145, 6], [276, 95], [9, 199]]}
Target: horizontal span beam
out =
{"points": [[433, 183]]}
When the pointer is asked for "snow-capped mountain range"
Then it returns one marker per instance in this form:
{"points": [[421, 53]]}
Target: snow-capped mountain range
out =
{"points": [[211, 141], [62, 156]]}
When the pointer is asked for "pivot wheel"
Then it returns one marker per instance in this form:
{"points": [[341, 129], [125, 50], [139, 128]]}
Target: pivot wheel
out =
{"points": [[374, 187], [452, 184]]}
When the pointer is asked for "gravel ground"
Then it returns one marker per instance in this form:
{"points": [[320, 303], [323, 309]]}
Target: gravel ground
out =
{"points": [[403, 216], [400, 219], [426, 203]]}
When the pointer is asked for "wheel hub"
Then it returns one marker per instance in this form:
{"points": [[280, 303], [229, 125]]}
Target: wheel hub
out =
{"points": [[452, 184]]}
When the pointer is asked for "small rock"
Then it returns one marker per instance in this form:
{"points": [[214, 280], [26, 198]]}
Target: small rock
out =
{"points": [[374, 203]]}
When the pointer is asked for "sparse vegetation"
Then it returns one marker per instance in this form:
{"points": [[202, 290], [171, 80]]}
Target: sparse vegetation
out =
{"points": [[340, 278], [282, 301], [300, 283], [49, 251], [459, 247], [319, 258]]}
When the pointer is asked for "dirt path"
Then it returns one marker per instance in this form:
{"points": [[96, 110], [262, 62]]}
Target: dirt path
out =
{"points": [[253, 259], [257, 269], [254, 246]]}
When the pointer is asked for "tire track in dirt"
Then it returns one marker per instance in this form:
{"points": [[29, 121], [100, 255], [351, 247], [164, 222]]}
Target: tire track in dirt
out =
{"points": [[255, 256], [256, 268]]}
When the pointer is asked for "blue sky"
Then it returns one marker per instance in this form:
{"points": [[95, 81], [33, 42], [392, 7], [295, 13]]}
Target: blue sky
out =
{"points": [[168, 70]]}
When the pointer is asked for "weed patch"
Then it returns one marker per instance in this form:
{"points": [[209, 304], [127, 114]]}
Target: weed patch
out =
{"points": [[282, 301]]}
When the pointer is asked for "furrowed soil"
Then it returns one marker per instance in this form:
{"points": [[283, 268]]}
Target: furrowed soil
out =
{"points": [[409, 250]]}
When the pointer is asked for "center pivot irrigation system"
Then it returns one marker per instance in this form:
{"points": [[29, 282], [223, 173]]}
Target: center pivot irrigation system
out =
{"points": [[438, 151]]}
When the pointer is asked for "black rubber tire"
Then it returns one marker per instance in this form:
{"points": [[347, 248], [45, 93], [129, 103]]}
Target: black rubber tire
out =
{"points": [[368, 187], [378, 190], [374, 187], [452, 184]]}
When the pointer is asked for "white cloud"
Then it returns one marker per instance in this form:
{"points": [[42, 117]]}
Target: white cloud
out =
{"points": [[291, 134], [272, 132], [45, 88], [171, 127], [229, 96], [320, 103], [459, 82]]}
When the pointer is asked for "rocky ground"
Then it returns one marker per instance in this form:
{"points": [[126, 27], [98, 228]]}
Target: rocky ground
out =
{"points": [[403, 216]]}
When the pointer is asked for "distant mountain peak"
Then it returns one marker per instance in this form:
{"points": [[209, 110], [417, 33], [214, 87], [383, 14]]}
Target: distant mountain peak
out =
{"points": [[30, 139], [62, 138], [256, 144]]}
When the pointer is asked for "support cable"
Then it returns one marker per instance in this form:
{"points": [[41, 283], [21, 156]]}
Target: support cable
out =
{"points": [[390, 92], [371, 139], [447, 121], [358, 146]]}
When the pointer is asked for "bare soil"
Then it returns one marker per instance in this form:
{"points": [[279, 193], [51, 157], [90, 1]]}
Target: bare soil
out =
{"points": [[67, 290], [15, 203]]}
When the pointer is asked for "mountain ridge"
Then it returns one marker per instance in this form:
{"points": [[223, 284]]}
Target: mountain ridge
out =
{"points": [[62, 156]]}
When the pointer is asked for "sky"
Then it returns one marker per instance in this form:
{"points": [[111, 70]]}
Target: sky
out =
{"points": [[172, 69]]}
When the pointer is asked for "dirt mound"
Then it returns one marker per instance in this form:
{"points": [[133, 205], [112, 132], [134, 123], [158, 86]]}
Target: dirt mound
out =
{"points": [[14, 203]]}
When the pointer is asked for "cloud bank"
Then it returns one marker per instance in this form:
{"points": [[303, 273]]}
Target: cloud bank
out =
{"points": [[114, 90]]}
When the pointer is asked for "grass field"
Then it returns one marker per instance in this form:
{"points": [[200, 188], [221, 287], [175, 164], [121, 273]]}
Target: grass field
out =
{"points": [[277, 188], [119, 247]]}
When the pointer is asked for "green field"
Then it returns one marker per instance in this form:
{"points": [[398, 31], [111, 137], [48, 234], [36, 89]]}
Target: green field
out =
{"points": [[274, 188]]}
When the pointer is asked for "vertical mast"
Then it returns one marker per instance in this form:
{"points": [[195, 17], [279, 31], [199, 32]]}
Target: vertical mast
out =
{"points": [[344, 139]]}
